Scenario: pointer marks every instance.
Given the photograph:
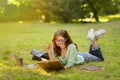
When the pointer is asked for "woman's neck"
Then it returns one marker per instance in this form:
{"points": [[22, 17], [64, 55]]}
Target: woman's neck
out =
{"points": [[63, 47], [63, 52]]}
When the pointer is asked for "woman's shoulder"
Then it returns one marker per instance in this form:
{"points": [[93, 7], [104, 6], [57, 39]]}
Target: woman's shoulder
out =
{"points": [[72, 46]]}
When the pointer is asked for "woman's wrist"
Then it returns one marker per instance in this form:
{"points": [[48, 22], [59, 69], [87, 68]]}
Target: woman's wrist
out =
{"points": [[65, 67], [50, 55]]}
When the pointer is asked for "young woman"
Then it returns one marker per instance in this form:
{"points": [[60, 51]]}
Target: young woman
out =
{"points": [[66, 51]]}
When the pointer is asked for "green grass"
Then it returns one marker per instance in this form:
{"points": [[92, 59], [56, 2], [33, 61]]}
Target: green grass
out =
{"points": [[20, 39]]}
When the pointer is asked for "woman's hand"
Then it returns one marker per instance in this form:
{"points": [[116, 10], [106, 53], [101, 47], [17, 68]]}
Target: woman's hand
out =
{"points": [[49, 50]]}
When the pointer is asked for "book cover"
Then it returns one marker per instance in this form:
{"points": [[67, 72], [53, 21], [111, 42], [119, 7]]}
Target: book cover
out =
{"points": [[50, 65], [90, 68]]}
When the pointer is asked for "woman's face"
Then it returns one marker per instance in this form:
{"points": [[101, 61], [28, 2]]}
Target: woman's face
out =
{"points": [[60, 41]]}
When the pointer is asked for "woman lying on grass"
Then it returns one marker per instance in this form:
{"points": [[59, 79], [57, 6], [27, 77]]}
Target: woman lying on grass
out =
{"points": [[66, 51]]}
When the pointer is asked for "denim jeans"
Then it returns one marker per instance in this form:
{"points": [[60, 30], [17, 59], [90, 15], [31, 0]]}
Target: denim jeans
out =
{"points": [[94, 54]]}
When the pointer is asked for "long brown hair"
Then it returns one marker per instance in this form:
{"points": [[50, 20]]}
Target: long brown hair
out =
{"points": [[64, 34]]}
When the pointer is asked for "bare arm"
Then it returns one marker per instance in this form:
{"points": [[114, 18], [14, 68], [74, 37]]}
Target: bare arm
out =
{"points": [[49, 50]]}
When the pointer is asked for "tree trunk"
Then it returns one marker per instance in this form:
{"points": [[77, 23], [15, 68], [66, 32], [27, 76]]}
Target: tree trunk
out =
{"points": [[95, 12], [47, 17], [95, 15]]}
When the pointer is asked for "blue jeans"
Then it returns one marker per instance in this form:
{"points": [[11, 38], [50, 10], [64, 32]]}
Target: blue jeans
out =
{"points": [[94, 54]]}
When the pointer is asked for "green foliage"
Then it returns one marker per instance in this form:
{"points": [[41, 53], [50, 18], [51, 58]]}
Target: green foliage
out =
{"points": [[55, 10], [20, 39], [100, 7]]}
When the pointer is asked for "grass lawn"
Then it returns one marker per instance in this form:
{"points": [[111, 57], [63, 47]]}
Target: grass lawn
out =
{"points": [[20, 39]]}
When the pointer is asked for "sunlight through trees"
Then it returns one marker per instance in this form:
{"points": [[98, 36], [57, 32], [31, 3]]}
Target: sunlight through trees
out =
{"points": [[57, 10]]}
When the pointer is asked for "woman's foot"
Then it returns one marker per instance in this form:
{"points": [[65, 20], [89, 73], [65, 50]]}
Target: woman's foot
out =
{"points": [[91, 34], [99, 32], [94, 36]]}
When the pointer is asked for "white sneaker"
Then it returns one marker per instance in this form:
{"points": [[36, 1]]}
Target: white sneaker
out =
{"points": [[91, 35], [99, 32]]}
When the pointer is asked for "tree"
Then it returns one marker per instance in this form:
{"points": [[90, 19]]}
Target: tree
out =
{"points": [[66, 10], [100, 7], [3, 4], [56, 10]]}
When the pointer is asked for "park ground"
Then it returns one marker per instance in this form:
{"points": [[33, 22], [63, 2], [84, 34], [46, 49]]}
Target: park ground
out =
{"points": [[21, 38]]}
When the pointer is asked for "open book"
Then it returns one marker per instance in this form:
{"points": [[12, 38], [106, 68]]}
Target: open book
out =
{"points": [[50, 65]]}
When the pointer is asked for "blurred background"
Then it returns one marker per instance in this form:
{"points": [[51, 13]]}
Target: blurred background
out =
{"points": [[59, 10]]}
